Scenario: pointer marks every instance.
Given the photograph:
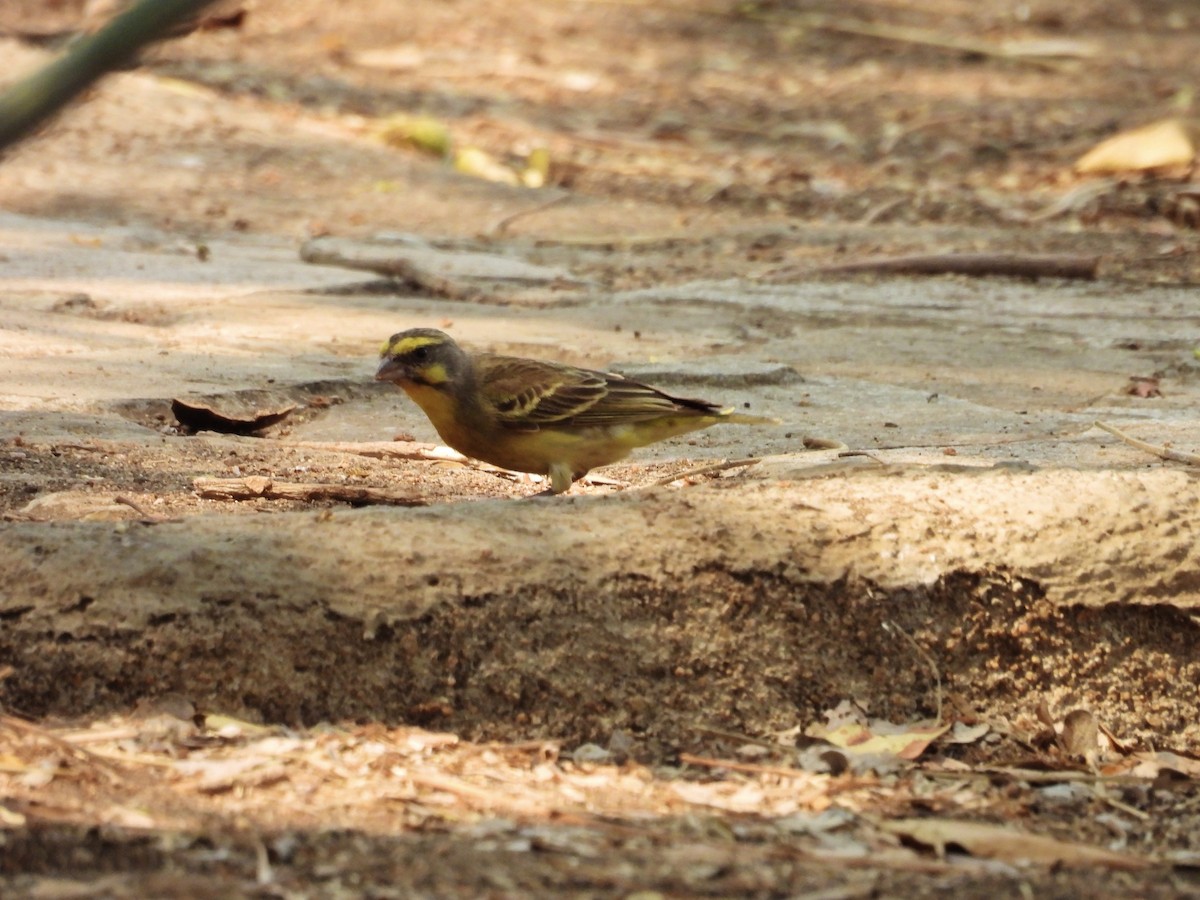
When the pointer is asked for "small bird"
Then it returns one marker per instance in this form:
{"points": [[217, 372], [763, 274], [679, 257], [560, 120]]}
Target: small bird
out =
{"points": [[533, 416]]}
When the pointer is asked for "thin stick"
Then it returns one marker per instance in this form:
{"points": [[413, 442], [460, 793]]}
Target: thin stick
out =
{"points": [[1119, 805], [383, 449], [146, 515], [877, 212], [744, 739], [929, 661], [1038, 776], [110, 769], [750, 768], [976, 265], [501, 225], [909, 35], [413, 450], [386, 261], [1190, 459], [256, 487], [706, 470]]}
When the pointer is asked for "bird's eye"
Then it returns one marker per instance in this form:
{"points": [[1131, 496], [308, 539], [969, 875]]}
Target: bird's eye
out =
{"points": [[420, 354]]}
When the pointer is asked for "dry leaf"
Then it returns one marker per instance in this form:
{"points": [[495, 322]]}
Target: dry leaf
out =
{"points": [[481, 164], [229, 727], [902, 741], [10, 818], [1157, 146], [13, 765], [203, 415], [537, 168], [1143, 386], [424, 133], [1151, 765], [962, 733], [1080, 733], [1008, 844]]}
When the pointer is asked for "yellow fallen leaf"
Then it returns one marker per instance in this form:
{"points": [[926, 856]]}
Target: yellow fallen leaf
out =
{"points": [[473, 161], [905, 742], [1155, 146], [228, 726], [423, 133], [10, 818], [537, 168], [12, 764]]}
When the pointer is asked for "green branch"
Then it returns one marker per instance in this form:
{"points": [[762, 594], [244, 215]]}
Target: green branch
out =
{"points": [[35, 98]]}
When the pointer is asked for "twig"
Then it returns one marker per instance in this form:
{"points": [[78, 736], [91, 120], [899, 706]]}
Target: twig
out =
{"points": [[1190, 459], [880, 210], [1074, 200], [928, 659], [706, 470], [839, 24], [977, 265], [86, 448], [420, 451], [847, 454], [492, 800], [744, 739], [387, 261], [734, 766], [1118, 805], [255, 487], [111, 769], [501, 225], [1039, 776], [383, 449], [139, 509], [888, 146]]}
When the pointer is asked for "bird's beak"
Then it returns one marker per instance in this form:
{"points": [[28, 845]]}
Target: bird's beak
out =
{"points": [[389, 370]]}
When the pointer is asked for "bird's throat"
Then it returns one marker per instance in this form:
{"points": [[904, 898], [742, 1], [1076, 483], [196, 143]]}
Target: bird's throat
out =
{"points": [[443, 410]]}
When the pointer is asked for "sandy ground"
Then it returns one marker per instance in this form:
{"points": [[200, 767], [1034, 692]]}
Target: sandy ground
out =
{"points": [[375, 669]]}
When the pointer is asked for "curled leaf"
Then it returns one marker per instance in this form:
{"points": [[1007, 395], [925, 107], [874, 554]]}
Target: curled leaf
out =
{"points": [[1156, 146]]}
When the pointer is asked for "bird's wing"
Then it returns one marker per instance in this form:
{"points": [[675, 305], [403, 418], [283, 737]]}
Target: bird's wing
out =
{"points": [[528, 394]]}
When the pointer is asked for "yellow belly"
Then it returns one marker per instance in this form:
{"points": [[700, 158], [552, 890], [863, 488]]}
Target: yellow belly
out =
{"points": [[577, 449]]}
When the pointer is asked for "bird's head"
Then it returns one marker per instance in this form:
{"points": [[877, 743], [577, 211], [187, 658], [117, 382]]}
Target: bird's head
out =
{"points": [[423, 356]]}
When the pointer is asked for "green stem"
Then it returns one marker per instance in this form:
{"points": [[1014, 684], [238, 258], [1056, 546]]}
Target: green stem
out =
{"points": [[37, 97]]}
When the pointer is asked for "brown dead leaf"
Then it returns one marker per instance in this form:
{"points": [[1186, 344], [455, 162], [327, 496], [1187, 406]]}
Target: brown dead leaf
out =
{"points": [[1080, 733], [1152, 765], [1144, 386], [204, 416], [1008, 844]]}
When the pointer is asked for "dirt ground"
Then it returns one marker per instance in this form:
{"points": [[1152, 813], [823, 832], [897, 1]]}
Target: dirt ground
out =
{"points": [[934, 632]]}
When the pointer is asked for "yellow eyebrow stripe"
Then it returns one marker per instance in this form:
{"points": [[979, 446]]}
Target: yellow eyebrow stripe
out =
{"points": [[408, 345]]}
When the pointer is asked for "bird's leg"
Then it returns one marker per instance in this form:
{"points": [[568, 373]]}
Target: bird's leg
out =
{"points": [[561, 477]]}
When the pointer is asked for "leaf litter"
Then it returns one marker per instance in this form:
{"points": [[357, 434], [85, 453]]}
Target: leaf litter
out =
{"points": [[164, 768]]}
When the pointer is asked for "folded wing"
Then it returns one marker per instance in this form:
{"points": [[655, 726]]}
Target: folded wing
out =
{"points": [[527, 395]]}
